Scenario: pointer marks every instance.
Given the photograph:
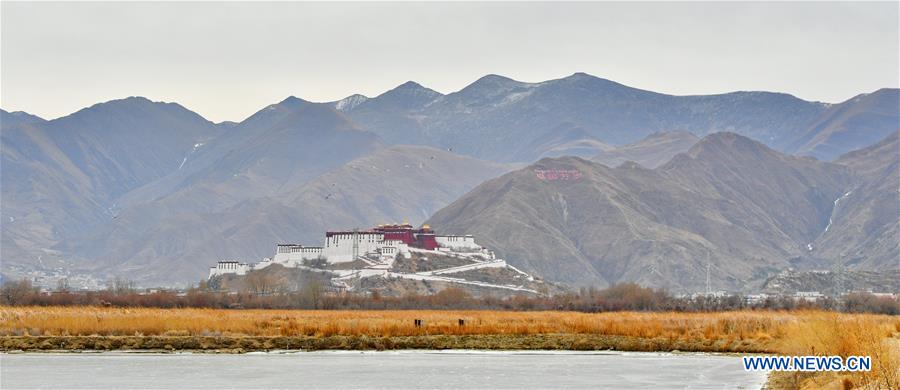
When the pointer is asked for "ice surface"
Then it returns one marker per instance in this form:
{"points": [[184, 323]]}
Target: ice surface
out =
{"points": [[389, 369]]}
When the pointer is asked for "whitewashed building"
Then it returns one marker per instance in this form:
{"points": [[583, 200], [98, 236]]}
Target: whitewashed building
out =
{"points": [[809, 296], [341, 248], [291, 254], [229, 267]]}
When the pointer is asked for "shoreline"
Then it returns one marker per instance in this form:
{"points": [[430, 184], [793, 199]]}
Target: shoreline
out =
{"points": [[439, 352], [490, 342]]}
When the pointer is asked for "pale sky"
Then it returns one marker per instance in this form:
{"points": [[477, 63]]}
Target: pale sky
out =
{"points": [[228, 60]]}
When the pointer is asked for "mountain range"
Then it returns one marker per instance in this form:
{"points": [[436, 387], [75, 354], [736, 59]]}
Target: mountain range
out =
{"points": [[501, 119], [154, 192], [63, 176], [729, 203], [286, 174]]}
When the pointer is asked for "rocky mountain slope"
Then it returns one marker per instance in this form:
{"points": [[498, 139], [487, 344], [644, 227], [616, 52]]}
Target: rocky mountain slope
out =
{"points": [[651, 152], [854, 124], [833, 283], [283, 144], [729, 202], [63, 176], [171, 219], [864, 226], [390, 114], [15, 118]]}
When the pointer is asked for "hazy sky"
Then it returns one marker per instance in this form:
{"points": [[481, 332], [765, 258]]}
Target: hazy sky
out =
{"points": [[228, 60]]}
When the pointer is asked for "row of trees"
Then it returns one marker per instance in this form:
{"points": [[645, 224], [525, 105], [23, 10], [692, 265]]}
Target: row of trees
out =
{"points": [[622, 297]]}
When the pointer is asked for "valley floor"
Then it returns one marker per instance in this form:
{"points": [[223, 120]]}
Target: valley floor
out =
{"points": [[236, 331]]}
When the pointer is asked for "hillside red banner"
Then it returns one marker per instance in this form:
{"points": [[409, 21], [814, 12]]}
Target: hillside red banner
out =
{"points": [[557, 174]]}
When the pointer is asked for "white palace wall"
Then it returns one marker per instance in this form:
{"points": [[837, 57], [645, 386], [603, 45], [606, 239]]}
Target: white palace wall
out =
{"points": [[339, 246], [457, 242]]}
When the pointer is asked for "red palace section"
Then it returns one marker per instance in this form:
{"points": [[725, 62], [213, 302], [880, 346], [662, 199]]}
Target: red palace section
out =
{"points": [[418, 238]]}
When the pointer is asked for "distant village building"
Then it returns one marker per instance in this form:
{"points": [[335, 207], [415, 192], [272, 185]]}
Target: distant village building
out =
{"points": [[711, 294], [808, 296], [756, 299], [885, 295]]}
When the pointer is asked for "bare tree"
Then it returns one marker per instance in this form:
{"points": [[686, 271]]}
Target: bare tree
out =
{"points": [[119, 286], [260, 283], [62, 285], [17, 292]]}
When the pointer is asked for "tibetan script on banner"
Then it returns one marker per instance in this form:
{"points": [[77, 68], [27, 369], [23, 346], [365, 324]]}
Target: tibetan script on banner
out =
{"points": [[557, 174]]}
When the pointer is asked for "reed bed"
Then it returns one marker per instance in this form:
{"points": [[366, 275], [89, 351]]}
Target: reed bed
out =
{"points": [[65, 321], [783, 332], [834, 334]]}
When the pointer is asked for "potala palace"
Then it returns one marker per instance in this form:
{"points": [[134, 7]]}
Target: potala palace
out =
{"points": [[373, 252]]}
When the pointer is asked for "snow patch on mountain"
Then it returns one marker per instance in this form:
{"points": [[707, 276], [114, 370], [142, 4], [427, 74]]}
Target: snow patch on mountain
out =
{"points": [[194, 149], [516, 96], [349, 103], [834, 209]]}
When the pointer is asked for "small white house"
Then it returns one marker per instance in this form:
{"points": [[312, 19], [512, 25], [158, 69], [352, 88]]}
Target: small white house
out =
{"points": [[809, 296]]}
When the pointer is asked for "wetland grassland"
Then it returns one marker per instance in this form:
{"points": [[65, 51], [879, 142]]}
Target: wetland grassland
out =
{"points": [[32, 329]]}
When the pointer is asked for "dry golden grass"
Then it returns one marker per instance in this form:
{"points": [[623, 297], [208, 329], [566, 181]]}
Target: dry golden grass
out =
{"points": [[60, 321], [790, 333], [831, 334], [742, 325]]}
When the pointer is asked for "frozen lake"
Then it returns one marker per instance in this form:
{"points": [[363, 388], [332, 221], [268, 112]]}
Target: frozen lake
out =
{"points": [[390, 369]]}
